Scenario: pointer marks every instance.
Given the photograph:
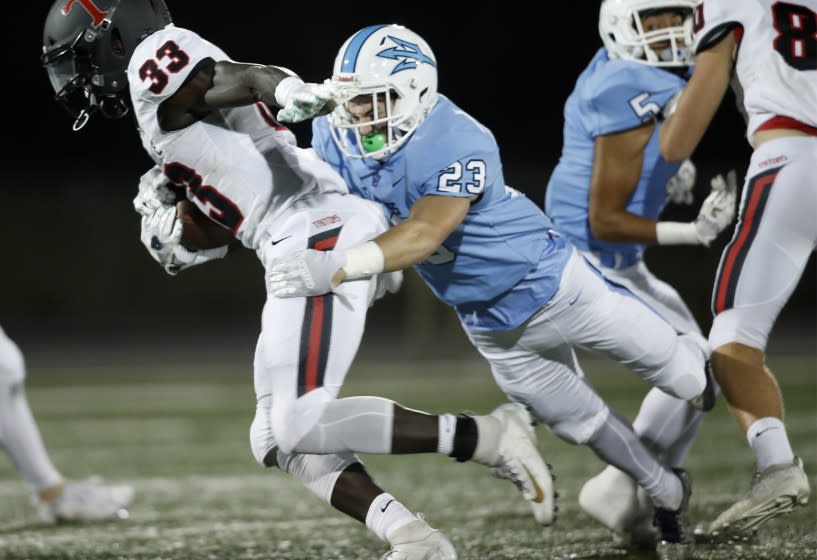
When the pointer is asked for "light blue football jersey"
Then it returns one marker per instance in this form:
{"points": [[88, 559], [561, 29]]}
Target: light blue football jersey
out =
{"points": [[610, 96], [502, 263]]}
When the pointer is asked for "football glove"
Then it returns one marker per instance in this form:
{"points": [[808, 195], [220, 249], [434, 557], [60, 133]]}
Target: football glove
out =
{"points": [[681, 185], [301, 101], [718, 210], [308, 273], [153, 192], [183, 258], [161, 232]]}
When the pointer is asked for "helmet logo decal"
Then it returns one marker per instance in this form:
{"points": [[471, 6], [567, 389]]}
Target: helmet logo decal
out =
{"points": [[97, 14], [408, 54]]}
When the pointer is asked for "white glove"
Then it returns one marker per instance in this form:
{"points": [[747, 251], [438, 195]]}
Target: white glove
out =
{"points": [[308, 273], [301, 101], [161, 232], [718, 210], [162, 236], [153, 192], [680, 185], [182, 258]]}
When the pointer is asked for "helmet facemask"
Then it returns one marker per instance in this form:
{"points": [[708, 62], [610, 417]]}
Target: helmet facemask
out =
{"points": [[622, 31], [392, 121], [394, 69]]}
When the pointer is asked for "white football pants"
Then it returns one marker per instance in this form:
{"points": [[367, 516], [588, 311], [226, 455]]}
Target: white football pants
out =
{"points": [[535, 363], [774, 237], [665, 424], [307, 345]]}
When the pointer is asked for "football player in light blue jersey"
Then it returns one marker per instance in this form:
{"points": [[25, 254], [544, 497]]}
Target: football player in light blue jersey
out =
{"points": [[523, 293], [606, 195]]}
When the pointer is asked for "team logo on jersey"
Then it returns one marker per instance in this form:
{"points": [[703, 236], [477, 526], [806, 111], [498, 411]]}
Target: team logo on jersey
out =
{"points": [[97, 14], [408, 54]]}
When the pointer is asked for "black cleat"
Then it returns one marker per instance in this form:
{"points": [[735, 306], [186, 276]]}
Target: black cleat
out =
{"points": [[675, 539]]}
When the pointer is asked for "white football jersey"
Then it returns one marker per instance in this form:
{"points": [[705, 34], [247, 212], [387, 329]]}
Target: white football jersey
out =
{"points": [[238, 165], [777, 54]]}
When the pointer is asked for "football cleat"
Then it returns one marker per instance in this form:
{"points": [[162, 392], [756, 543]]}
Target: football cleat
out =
{"points": [[777, 490], [418, 541], [616, 501], [88, 500], [675, 540], [517, 459]]}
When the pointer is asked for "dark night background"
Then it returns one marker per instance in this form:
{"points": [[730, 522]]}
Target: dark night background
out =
{"points": [[75, 276]]}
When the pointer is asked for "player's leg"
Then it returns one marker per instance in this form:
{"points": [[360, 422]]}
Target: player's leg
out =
{"points": [[338, 479], [57, 500], [308, 418], [667, 425], [534, 366], [605, 318], [759, 269], [18, 430]]}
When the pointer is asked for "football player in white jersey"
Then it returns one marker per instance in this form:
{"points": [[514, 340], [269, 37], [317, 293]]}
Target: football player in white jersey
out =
{"points": [[206, 122], [57, 499], [772, 46]]}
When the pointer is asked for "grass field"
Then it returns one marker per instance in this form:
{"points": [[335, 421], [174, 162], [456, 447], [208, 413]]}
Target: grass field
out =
{"points": [[179, 434]]}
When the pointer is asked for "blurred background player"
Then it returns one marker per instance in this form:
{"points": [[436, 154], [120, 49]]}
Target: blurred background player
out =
{"points": [[606, 195], [772, 47], [206, 122], [56, 499], [522, 293]]}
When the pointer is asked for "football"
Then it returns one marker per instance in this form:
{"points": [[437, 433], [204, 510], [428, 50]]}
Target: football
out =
{"points": [[200, 231]]}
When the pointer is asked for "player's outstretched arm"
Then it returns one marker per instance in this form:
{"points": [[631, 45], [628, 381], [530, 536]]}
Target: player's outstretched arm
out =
{"points": [[311, 272]]}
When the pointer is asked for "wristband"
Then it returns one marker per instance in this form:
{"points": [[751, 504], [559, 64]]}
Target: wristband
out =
{"points": [[676, 233], [364, 261]]}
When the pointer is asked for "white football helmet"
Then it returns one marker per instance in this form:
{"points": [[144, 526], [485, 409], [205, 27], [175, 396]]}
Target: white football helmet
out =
{"points": [[623, 34], [391, 61]]}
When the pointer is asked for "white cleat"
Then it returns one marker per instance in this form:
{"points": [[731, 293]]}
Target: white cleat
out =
{"points": [[418, 541], [616, 501], [517, 459], [778, 490], [88, 500]]}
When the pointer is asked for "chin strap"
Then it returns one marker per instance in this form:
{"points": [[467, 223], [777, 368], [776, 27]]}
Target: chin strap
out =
{"points": [[81, 121]]}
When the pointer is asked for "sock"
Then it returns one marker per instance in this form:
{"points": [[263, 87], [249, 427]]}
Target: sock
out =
{"points": [[466, 438], [617, 444], [447, 427], [386, 515], [768, 440], [667, 426], [21, 438]]}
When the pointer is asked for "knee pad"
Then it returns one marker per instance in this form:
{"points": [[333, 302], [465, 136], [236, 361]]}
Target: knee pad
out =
{"points": [[292, 420], [12, 363], [319, 473], [580, 429]]}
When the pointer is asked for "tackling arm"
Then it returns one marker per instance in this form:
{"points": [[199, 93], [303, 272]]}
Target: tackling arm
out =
{"points": [[430, 222]]}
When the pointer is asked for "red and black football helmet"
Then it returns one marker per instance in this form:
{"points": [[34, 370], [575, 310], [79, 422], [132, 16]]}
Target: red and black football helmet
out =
{"points": [[86, 48]]}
